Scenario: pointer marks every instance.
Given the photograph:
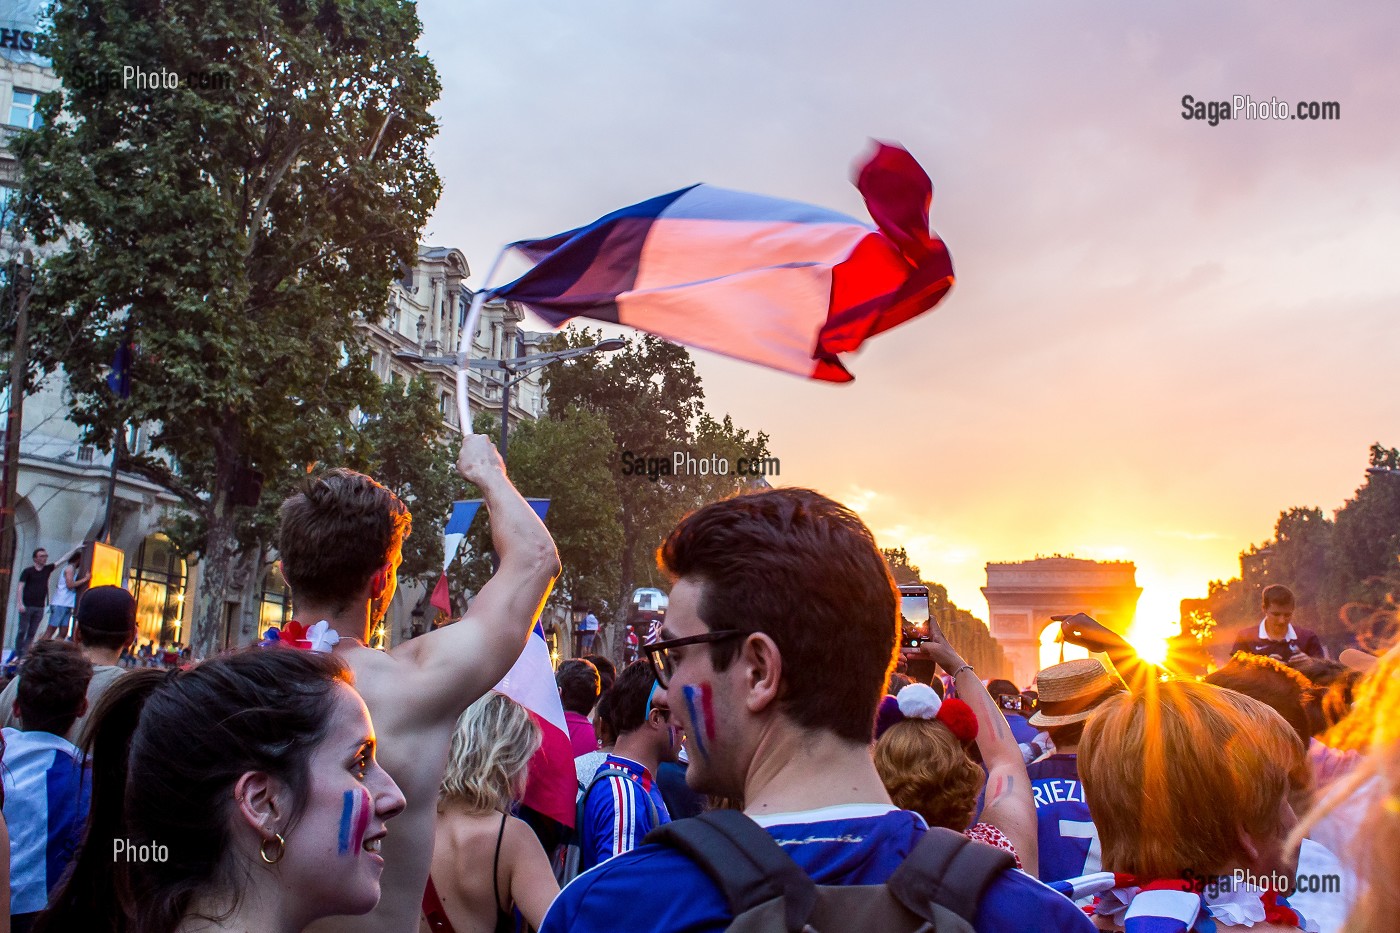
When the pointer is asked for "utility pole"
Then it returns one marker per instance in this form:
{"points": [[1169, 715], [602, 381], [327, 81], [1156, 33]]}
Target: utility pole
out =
{"points": [[21, 279]]}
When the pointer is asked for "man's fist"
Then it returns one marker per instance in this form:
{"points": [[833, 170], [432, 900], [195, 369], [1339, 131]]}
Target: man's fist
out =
{"points": [[479, 460]]}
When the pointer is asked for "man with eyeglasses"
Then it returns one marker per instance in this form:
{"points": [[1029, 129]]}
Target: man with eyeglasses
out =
{"points": [[781, 630], [624, 803]]}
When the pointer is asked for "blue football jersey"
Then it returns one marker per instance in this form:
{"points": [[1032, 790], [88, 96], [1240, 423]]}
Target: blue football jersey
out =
{"points": [[1069, 841], [656, 889]]}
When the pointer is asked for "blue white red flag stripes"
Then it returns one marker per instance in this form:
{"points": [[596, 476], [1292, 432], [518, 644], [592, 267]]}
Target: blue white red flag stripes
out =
{"points": [[778, 283], [1162, 911], [1085, 885], [552, 784], [624, 836]]}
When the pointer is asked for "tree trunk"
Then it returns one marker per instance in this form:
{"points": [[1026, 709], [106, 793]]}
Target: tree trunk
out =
{"points": [[220, 550]]}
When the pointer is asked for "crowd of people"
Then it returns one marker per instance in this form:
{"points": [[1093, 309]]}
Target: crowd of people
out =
{"points": [[762, 767]]}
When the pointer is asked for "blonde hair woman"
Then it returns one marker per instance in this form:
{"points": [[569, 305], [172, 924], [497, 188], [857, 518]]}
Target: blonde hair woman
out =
{"points": [[485, 861]]}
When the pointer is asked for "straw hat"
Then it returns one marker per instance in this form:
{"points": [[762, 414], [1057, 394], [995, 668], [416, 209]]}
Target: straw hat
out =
{"points": [[1070, 692]]}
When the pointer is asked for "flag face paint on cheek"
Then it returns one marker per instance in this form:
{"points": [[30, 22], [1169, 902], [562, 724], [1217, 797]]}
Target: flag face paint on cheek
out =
{"points": [[699, 703], [347, 812], [353, 822]]}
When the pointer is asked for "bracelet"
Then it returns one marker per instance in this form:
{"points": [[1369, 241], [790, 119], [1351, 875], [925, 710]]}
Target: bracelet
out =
{"points": [[965, 667]]}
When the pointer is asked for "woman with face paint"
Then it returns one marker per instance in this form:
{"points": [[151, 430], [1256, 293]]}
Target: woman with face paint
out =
{"points": [[487, 863], [241, 794]]}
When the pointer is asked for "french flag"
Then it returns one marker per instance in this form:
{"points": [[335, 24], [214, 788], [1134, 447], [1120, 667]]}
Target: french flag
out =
{"points": [[552, 783], [778, 283]]}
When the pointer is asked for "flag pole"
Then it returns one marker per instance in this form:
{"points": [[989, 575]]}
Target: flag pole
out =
{"points": [[464, 342]]}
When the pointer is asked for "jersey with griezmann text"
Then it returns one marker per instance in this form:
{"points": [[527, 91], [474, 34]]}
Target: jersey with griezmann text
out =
{"points": [[656, 888], [1069, 841]]}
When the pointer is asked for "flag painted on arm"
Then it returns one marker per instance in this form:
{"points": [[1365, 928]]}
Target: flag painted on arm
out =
{"points": [[778, 283], [552, 784]]}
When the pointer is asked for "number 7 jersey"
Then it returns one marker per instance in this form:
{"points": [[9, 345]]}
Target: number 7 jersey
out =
{"points": [[1069, 841]]}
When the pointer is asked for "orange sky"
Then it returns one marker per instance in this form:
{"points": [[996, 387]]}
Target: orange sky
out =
{"points": [[1163, 333]]}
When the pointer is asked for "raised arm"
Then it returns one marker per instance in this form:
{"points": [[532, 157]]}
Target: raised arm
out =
{"points": [[1084, 631], [1008, 805], [458, 663]]}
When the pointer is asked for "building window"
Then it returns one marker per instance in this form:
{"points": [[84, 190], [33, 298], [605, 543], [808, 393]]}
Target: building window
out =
{"points": [[23, 110], [275, 604], [158, 581]]}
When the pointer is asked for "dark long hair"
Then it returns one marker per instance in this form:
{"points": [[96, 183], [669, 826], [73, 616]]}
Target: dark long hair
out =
{"points": [[167, 750]]}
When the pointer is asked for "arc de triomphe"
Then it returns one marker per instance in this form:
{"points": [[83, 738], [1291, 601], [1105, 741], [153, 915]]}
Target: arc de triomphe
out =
{"points": [[1022, 596]]}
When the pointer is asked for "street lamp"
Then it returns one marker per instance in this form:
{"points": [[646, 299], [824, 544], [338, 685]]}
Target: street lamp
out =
{"points": [[516, 369]]}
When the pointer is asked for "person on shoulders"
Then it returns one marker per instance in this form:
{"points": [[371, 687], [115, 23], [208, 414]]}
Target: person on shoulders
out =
{"points": [[780, 634], [340, 540], [1275, 636]]}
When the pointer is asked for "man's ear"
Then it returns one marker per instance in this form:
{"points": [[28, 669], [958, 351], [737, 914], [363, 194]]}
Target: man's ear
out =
{"points": [[380, 581], [1250, 848], [261, 803], [763, 671]]}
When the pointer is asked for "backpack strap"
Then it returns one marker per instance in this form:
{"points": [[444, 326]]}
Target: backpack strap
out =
{"points": [[948, 869], [616, 772], [743, 861]]}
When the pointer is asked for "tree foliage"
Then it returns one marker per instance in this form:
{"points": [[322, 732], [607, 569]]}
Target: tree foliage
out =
{"points": [[653, 402], [236, 227], [562, 459], [645, 399], [1344, 571], [402, 441]]}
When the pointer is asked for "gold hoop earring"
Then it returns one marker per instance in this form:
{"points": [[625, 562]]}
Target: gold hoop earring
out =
{"points": [[281, 849]]}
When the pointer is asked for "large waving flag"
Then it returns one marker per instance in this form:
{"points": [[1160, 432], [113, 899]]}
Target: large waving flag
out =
{"points": [[552, 784], [779, 283]]}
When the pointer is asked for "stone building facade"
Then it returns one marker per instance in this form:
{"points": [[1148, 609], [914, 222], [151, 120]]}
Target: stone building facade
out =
{"points": [[1022, 596]]}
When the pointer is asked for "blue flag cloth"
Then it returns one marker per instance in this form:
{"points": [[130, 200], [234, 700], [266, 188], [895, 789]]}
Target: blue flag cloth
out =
{"points": [[462, 514], [119, 379]]}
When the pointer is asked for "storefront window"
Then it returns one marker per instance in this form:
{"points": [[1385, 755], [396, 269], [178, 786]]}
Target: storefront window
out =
{"points": [[275, 606], [158, 581]]}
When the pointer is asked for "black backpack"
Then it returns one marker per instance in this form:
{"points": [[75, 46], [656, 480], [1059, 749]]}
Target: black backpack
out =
{"points": [[937, 888]]}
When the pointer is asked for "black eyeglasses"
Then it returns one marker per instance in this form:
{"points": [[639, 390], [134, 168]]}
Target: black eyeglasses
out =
{"points": [[659, 653]]}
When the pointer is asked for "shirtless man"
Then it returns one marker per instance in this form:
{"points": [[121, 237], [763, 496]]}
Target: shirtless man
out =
{"points": [[340, 542]]}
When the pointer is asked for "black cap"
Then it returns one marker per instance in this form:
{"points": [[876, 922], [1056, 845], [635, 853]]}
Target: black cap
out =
{"points": [[107, 609]]}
